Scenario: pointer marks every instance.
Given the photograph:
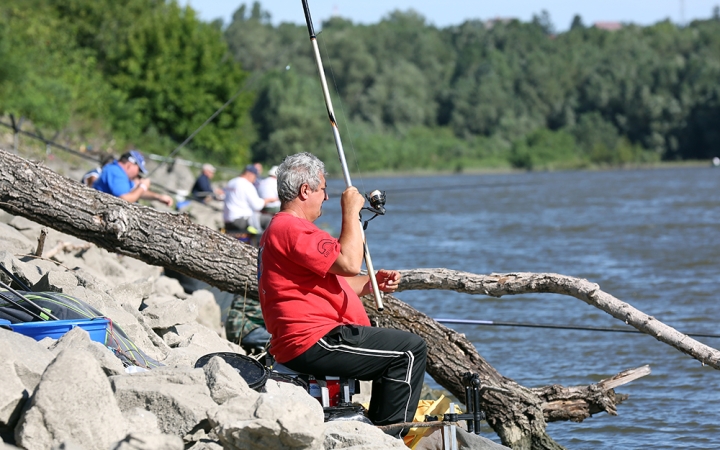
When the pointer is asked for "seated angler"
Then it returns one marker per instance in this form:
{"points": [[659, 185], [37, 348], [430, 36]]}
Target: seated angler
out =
{"points": [[309, 293], [122, 179]]}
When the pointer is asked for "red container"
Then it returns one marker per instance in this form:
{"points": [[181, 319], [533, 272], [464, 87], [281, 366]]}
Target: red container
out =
{"points": [[333, 386]]}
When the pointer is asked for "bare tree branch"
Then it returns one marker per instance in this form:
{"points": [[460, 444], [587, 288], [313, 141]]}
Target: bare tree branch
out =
{"points": [[497, 285]]}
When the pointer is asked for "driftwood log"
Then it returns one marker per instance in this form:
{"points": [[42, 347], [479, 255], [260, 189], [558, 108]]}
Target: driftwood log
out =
{"points": [[518, 414]]}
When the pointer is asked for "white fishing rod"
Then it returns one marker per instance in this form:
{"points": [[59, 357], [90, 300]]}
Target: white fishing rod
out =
{"points": [[338, 145]]}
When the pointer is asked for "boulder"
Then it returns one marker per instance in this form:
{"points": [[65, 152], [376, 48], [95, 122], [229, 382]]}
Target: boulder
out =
{"points": [[169, 286], [224, 381], [208, 310], [164, 311], [190, 341], [147, 441], [358, 435], [72, 402], [14, 241], [77, 338], [56, 281], [268, 422], [179, 398], [130, 294], [22, 363]]}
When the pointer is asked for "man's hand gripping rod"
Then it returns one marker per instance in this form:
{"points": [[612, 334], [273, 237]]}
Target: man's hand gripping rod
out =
{"points": [[338, 144]]}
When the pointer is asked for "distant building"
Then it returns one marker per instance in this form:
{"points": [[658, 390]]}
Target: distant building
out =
{"points": [[609, 26], [501, 20]]}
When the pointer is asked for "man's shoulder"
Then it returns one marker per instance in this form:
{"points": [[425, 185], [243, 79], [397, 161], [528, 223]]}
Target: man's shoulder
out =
{"points": [[113, 169], [290, 224]]}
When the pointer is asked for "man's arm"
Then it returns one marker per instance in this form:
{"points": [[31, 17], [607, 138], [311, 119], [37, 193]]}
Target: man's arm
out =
{"points": [[349, 261], [141, 190], [388, 281], [163, 198], [137, 192]]}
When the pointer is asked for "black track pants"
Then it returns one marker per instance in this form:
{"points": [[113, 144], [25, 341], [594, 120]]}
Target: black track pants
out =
{"points": [[393, 360]]}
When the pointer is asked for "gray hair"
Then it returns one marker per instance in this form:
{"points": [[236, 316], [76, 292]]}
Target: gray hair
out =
{"points": [[295, 171]]}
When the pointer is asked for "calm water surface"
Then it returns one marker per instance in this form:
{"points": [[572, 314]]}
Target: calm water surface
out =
{"points": [[648, 237]]}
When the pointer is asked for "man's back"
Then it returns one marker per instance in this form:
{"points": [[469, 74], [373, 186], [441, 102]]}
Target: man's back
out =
{"points": [[241, 200], [113, 180]]}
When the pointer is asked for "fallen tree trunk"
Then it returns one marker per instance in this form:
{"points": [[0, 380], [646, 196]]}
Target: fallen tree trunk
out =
{"points": [[170, 240]]}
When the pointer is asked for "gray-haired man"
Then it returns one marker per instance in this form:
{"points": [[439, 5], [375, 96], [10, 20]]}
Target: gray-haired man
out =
{"points": [[310, 285]]}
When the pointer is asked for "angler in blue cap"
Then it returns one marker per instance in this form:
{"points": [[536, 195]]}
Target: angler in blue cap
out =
{"points": [[123, 178]]}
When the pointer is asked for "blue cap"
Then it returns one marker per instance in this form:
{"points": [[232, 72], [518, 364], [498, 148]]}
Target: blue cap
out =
{"points": [[251, 168], [136, 157]]}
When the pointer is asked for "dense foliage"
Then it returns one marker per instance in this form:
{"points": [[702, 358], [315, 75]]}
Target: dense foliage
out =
{"points": [[408, 95], [492, 93], [141, 72]]}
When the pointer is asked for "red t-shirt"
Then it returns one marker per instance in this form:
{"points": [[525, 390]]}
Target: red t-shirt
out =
{"points": [[301, 301]]}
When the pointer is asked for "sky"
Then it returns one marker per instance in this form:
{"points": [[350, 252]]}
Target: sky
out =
{"points": [[443, 13]]}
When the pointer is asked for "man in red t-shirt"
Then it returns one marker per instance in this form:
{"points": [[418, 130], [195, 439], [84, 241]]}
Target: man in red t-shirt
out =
{"points": [[309, 293]]}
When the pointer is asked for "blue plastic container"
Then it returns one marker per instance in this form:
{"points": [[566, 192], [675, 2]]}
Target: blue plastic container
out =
{"points": [[96, 328]]}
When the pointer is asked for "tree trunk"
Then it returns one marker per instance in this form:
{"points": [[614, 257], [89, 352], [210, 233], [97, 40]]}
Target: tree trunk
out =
{"points": [[516, 413]]}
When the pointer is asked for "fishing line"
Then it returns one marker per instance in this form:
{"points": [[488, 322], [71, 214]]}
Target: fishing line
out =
{"points": [[557, 327], [244, 87], [345, 118]]}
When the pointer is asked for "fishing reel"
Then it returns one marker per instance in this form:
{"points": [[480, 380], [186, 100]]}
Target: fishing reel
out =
{"points": [[377, 205]]}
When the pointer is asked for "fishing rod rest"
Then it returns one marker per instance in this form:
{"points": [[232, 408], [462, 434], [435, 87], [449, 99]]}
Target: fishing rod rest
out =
{"points": [[473, 416]]}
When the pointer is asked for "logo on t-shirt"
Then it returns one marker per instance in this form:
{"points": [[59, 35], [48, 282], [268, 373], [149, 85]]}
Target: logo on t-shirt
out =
{"points": [[325, 246]]}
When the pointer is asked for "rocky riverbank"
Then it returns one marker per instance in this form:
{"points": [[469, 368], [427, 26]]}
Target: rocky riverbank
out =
{"points": [[74, 393]]}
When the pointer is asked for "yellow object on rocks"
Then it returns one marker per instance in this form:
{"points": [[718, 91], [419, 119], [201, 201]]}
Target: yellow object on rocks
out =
{"points": [[427, 408]]}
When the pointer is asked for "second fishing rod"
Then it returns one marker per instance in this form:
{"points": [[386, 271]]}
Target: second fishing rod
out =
{"points": [[341, 153]]}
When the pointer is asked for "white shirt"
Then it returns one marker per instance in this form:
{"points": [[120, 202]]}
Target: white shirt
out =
{"points": [[241, 200], [268, 189]]}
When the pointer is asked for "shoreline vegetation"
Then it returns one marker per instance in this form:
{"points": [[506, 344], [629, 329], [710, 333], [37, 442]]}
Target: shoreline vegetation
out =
{"points": [[34, 149], [480, 96]]}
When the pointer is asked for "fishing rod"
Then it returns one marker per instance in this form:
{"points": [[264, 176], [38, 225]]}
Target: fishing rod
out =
{"points": [[27, 289], [245, 86], [375, 197], [14, 278], [557, 327], [17, 304]]}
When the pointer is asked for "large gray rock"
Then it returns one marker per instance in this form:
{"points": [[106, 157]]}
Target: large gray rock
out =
{"points": [[190, 341], [130, 294], [77, 338], [351, 434], [169, 286], [208, 310], [28, 273], [56, 281], [268, 422], [142, 421], [22, 363], [14, 241], [224, 381], [148, 441], [26, 226], [6, 259], [179, 398], [72, 402], [166, 311], [105, 265]]}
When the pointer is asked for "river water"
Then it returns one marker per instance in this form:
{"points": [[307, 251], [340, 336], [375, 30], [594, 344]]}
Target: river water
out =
{"points": [[648, 237]]}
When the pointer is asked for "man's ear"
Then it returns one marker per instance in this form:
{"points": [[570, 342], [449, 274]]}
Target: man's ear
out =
{"points": [[304, 191]]}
